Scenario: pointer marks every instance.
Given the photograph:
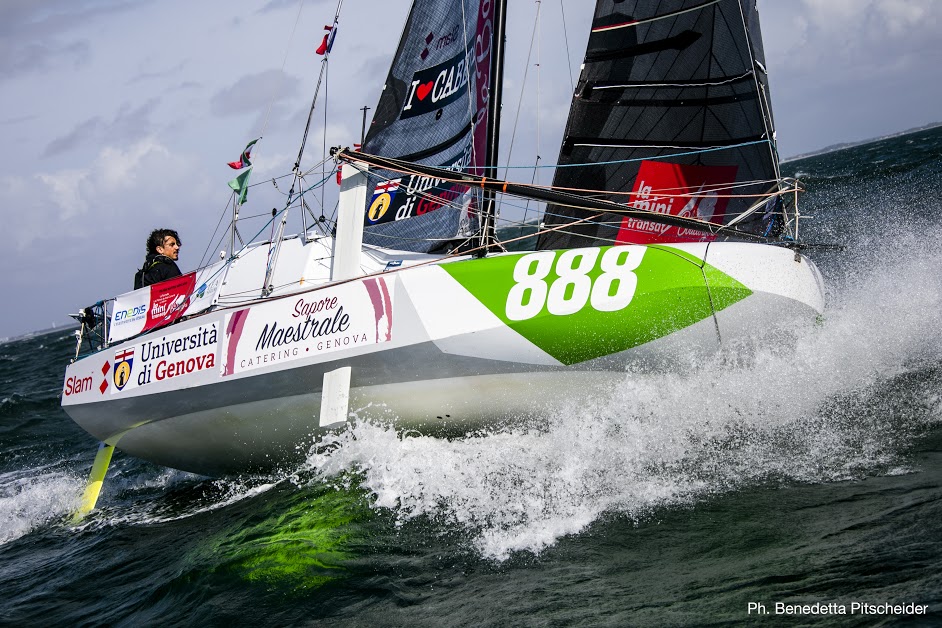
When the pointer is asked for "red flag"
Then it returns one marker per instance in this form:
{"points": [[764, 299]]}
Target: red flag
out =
{"points": [[245, 158], [328, 41]]}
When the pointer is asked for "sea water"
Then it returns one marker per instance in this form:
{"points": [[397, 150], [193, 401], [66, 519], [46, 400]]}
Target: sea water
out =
{"points": [[790, 486]]}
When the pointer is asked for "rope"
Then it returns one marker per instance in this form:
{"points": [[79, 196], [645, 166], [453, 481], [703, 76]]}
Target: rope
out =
{"points": [[523, 86], [210, 242], [562, 10], [659, 193]]}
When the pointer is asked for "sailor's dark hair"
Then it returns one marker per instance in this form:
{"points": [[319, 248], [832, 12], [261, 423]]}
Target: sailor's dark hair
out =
{"points": [[157, 237]]}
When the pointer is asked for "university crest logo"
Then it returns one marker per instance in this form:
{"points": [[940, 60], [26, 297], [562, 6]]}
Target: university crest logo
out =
{"points": [[122, 368]]}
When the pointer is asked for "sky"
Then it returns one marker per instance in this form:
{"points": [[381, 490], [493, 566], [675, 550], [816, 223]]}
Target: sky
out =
{"points": [[119, 116]]}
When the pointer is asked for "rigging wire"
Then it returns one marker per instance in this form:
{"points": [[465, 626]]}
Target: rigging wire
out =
{"points": [[324, 134], [292, 200], [225, 210], [604, 205], [321, 77], [709, 149], [523, 86], [284, 62], [562, 10], [471, 95], [710, 190], [533, 38]]}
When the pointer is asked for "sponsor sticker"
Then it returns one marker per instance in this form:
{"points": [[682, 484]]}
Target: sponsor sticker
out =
{"points": [[168, 300], [416, 195], [78, 384], [205, 294], [433, 88], [123, 361], [336, 319], [582, 304], [688, 191], [154, 306], [129, 314], [170, 357], [433, 42], [83, 377]]}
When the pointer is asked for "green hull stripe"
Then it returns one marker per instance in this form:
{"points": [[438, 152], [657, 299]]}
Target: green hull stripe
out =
{"points": [[671, 294]]}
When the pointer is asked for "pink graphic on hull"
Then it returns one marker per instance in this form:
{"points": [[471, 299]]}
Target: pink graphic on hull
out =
{"points": [[233, 333], [382, 306]]}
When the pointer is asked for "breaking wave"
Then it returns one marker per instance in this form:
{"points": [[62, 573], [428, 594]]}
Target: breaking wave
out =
{"points": [[819, 413], [32, 498]]}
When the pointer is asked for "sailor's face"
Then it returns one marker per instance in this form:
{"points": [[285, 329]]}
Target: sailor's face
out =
{"points": [[170, 248]]}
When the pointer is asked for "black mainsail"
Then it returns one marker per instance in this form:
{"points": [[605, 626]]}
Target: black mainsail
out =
{"points": [[671, 114], [433, 111]]}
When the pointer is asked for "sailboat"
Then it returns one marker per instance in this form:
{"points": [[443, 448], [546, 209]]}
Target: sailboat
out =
{"points": [[668, 235]]}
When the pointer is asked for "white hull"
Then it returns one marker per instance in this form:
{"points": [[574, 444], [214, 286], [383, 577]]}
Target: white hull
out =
{"points": [[430, 350]]}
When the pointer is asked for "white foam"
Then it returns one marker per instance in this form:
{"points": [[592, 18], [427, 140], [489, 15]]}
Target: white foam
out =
{"points": [[32, 498], [785, 414]]}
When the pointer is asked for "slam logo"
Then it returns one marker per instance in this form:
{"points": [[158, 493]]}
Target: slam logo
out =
{"points": [[122, 368]]}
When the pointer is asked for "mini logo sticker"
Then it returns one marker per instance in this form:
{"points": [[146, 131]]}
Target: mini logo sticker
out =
{"points": [[699, 192]]}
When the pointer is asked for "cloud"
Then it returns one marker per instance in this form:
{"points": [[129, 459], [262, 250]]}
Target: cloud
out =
{"points": [[176, 70], [114, 190], [128, 124], [34, 34], [860, 39], [64, 190], [846, 70], [77, 233], [19, 119], [253, 93], [81, 134], [31, 57], [277, 5]]}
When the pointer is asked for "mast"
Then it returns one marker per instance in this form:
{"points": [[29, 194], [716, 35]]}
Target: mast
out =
{"points": [[275, 245], [495, 90]]}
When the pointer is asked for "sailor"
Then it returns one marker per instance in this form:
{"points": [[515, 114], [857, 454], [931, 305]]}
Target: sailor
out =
{"points": [[163, 251]]}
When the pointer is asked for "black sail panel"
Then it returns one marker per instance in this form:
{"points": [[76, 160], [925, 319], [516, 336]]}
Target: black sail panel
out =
{"points": [[671, 114], [431, 112]]}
